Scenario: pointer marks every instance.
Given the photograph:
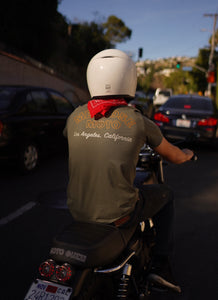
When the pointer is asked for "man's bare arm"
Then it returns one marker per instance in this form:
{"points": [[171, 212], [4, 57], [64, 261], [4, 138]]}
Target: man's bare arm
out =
{"points": [[172, 153]]}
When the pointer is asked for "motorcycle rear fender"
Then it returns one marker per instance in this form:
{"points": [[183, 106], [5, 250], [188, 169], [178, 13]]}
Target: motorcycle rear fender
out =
{"points": [[78, 280]]}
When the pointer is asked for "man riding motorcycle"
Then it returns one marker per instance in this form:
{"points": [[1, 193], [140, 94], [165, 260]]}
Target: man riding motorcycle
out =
{"points": [[104, 138]]}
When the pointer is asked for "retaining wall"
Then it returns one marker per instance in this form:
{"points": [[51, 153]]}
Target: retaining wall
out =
{"points": [[20, 71]]}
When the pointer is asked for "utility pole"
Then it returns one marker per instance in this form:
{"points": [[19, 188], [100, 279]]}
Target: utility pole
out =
{"points": [[211, 66]]}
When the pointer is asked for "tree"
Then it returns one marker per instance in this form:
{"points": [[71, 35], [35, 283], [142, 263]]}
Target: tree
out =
{"points": [[36, 29], [85, 41], [27, 26], [115, 30], [181, 82], [145, 81], [199, 76]]}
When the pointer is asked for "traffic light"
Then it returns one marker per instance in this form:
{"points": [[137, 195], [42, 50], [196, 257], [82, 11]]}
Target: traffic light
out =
{"points": [[140, 52], [178, 65]]}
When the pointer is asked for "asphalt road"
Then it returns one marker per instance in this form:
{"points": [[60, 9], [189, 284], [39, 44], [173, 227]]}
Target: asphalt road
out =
{"points": [[33, 210]]}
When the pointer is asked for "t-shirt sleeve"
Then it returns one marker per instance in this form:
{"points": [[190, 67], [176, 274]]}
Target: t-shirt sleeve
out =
{"points": [[153, 133], [65, 128], [68, 121]]}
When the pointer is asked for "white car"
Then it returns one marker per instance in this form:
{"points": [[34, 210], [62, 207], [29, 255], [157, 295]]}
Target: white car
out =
{"points": [[161, 96]]}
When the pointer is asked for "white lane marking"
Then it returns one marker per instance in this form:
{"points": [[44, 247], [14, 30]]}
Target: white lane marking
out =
{"points": [[17, 213]]}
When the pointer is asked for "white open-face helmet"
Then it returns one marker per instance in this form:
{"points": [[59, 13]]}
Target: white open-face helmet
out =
{"points": [[111, 73]]}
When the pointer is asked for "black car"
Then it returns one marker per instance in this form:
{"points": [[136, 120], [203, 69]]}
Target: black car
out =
{"points": [[32, 120], [185, 117]]}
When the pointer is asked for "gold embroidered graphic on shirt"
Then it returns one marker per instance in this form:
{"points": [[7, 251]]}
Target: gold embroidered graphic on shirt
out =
{"points": [[116, 120]]}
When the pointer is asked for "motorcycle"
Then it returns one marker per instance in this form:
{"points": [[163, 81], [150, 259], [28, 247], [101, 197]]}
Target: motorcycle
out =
{"points": [[104, 261]]}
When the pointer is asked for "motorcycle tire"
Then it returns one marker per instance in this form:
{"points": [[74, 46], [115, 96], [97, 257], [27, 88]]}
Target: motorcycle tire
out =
{"points": [[97, 287]]}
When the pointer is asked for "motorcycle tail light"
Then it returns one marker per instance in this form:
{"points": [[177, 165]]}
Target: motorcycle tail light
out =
{"points": [[161, 118], [47, 268], [63, 273]]}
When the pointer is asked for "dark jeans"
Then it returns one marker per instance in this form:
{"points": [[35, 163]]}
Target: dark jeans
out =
{"points": [[157, 202]]}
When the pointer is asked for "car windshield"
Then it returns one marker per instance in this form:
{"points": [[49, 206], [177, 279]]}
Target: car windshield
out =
{"points": [[189, 103], [6, 96], [164, 93]]}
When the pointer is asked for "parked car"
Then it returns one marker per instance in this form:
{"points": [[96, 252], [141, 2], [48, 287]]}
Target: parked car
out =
{"points": [[161, 96], [188, 116], [32, 120]]}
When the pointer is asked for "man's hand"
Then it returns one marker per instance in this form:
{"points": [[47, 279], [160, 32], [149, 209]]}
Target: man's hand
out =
{"points": [[188, 152]]}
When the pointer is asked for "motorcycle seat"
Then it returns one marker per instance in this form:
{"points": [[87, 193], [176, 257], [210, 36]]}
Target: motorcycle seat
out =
{"points": [[90, 244]]}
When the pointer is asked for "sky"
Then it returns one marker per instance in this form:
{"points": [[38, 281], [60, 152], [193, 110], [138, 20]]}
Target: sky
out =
{"points": [[163, 28]]}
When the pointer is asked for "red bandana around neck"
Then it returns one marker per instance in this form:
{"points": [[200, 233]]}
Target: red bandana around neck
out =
{"points": [[103, 106]]}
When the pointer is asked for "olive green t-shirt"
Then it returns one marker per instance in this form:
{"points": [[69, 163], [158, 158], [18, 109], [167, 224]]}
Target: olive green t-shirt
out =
{"points": [[103, 155]]}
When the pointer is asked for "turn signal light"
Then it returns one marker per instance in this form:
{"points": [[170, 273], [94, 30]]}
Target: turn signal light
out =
{"points": [[208, 122], [63, 273], [47, 268], [161, 118]]}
